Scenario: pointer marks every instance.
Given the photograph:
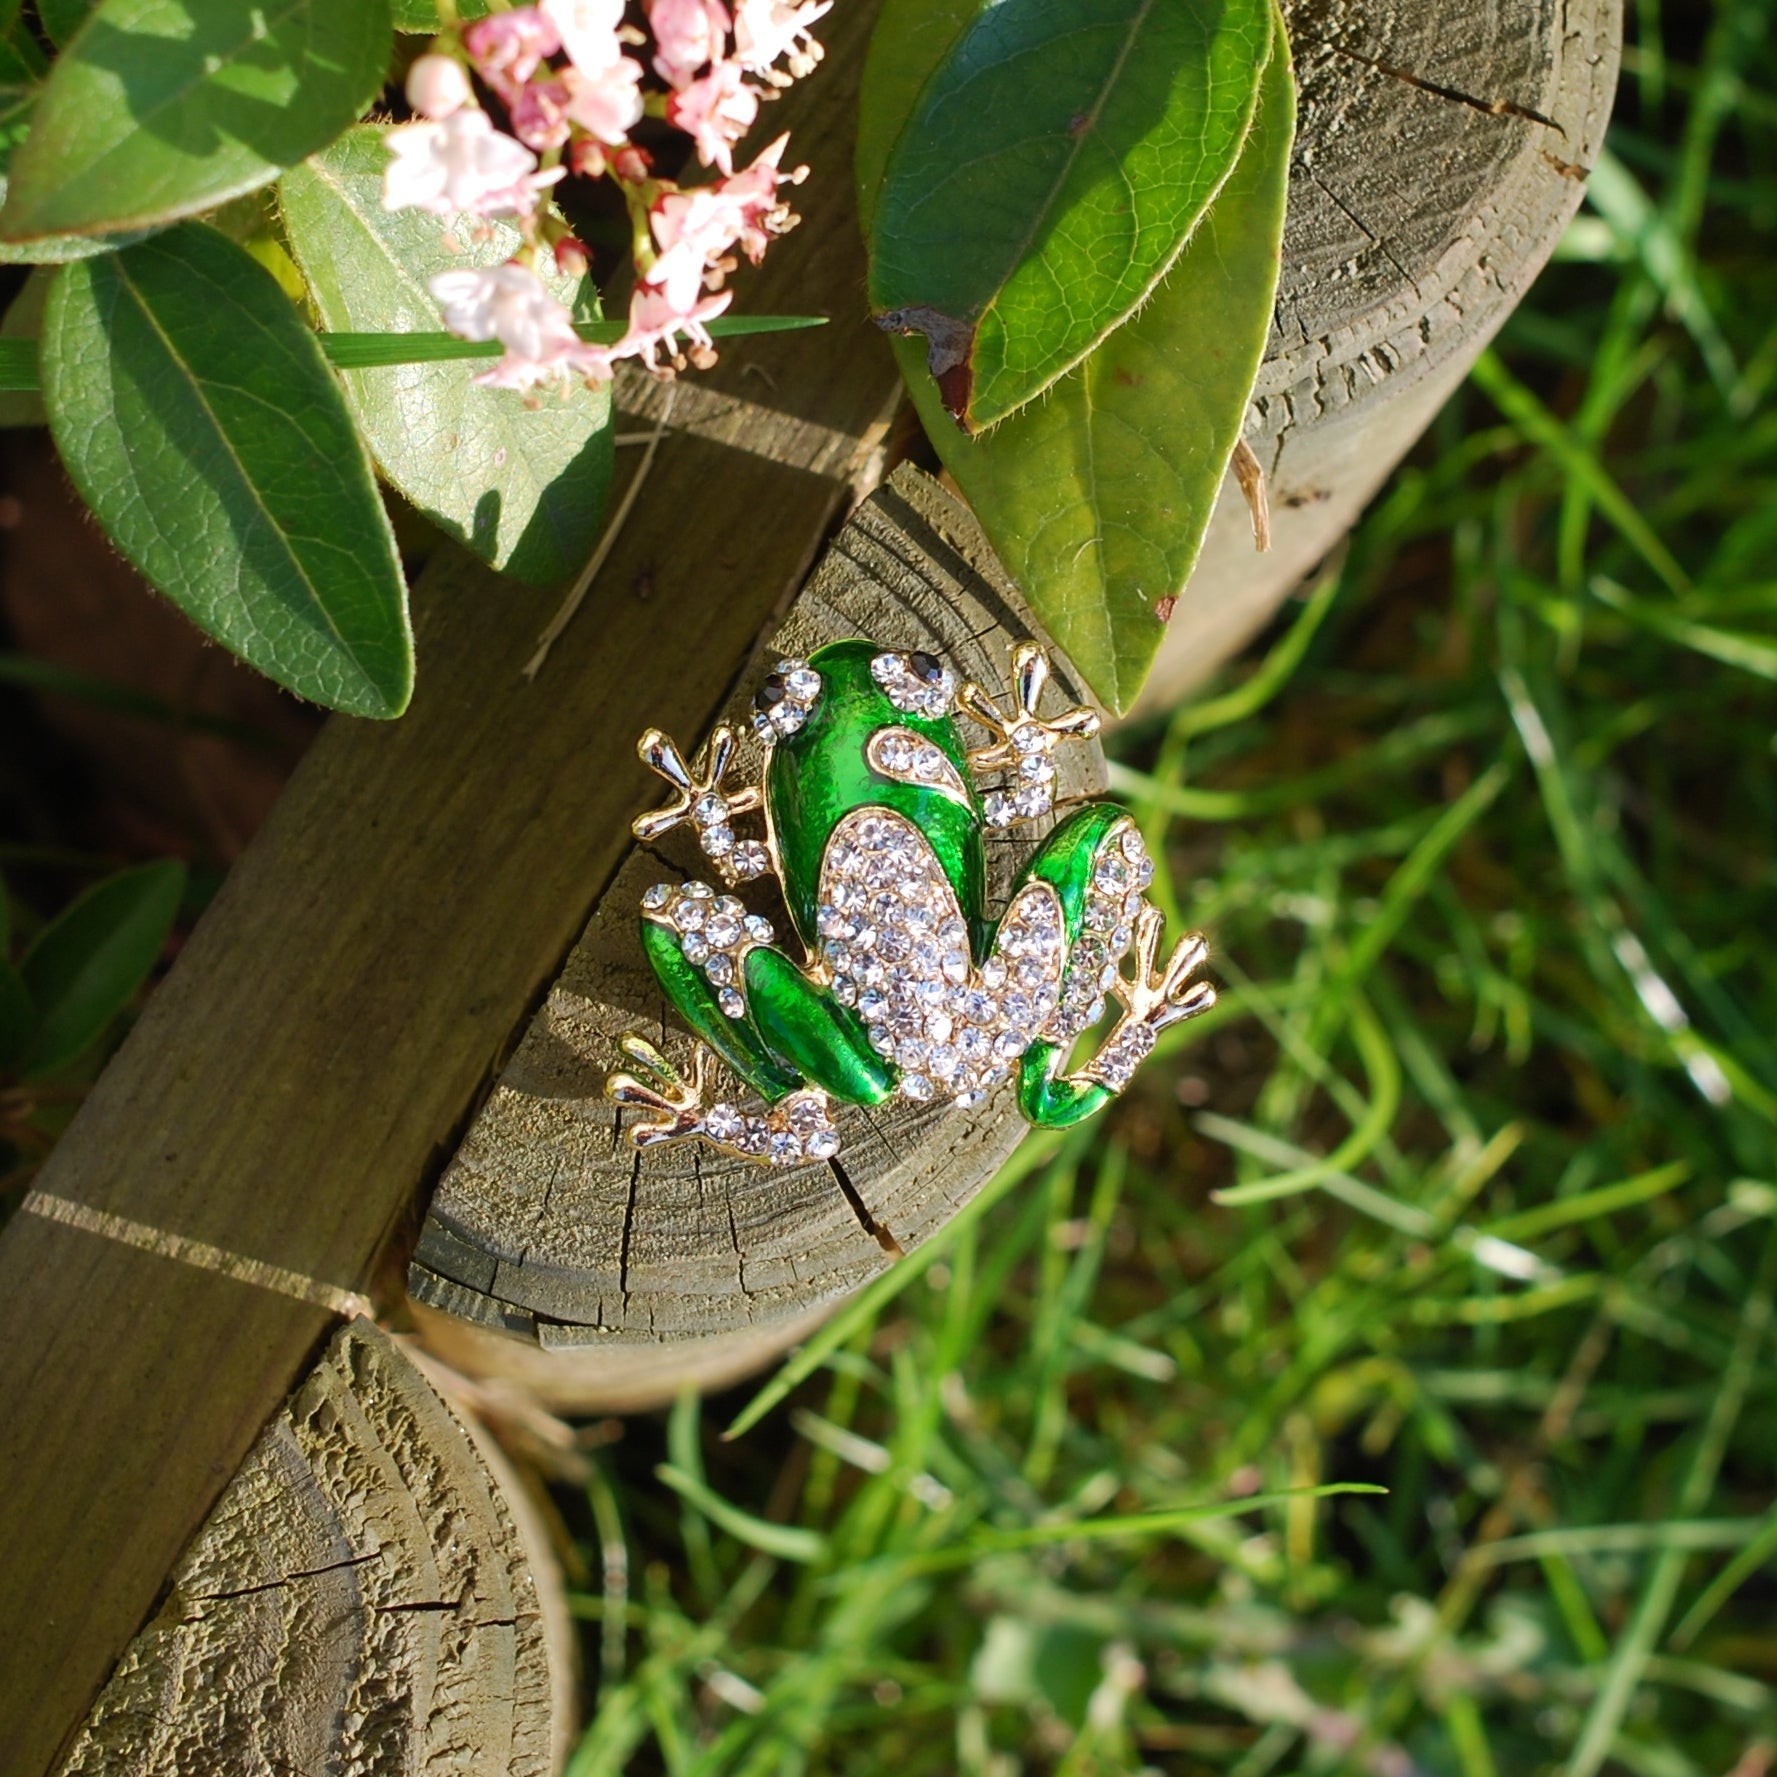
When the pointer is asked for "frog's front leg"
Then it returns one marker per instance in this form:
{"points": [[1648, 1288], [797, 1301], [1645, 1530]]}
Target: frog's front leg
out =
{"points": [[1023, 740], [1097, 865]]}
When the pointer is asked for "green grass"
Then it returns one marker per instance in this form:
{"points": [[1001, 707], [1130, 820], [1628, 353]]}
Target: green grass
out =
{"points": [[1467, 1191]]}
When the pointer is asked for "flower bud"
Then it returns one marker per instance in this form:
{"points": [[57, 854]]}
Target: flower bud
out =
{"points": [[571, 259], [437, 86]]}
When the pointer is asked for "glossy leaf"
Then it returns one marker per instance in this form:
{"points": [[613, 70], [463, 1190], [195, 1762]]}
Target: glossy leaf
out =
{"points": [[197, 416], [160, 108], [524, 487], [1096, 498], [88, 964], [1050, 172]]}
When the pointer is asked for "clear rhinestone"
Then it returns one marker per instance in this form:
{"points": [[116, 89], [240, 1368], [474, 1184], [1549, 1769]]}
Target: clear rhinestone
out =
{"points": [[1010, 1044], [917, 1087], [750, 859], [718, 842], [1029, 738], [723, 930], [695, 947], [690, 913], [1036, 768], [710, 810], [838, 957], [873, 1003], [801, 681], [993, 972], [784, 1148], [845, 991], [939, 1025], [699, 891], [720, 969], [1033, 801], [722, 1122], [657, 897], [731, 1003], [823, 1144], [997, 809], [1133, 849], [956, 965], [758, 928], [911, 1052], [944, 1062]]}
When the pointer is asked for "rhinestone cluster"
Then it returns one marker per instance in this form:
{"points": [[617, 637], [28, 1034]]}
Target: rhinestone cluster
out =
{"points": [[740, 860], [801, 1128], [1030, 794], [785, 701], [715, 934], [910, 758], [916, 684], [1120, 872], [898, 947]]}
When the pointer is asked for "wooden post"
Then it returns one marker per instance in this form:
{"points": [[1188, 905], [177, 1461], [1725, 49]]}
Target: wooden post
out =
{"points": [[1441, 150]]}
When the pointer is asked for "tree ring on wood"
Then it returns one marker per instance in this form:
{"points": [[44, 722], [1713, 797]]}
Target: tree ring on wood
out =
{"points": [[368, 1593], [553, 1252]]}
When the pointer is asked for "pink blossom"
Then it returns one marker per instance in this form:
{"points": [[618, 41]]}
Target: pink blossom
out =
{"points": [[508, 47], [588, 30], [509, 303], [767, 29], [437, 86], [609, 102], [539, 112], [695, 229], [460, 163], [655, 320], [687, 34], [754, 192], [715, 112]]}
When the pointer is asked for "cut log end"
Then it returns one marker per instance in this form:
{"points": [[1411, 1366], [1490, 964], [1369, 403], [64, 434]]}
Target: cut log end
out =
{"points": [[550, 1238], [362, 1597]]}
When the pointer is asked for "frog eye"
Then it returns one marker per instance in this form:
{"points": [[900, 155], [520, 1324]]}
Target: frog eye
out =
{"points": [[919, 684], [786, 700], [908, 758]]}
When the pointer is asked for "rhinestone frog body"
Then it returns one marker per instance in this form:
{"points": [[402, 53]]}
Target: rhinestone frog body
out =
{"points": [[896, 983]]}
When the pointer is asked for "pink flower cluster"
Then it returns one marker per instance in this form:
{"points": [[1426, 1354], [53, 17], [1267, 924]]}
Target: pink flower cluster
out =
{"points": [[572, 94]]}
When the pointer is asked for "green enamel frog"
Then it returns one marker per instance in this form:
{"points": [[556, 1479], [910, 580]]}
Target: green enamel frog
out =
{"points": [[896, 982]]}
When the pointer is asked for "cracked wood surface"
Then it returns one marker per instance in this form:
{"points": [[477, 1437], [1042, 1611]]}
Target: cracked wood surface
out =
{"points": [[553, 1251], [362, 1599], [1440, 152]]}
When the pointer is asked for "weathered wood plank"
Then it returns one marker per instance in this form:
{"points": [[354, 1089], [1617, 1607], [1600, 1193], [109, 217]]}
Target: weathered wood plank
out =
{"points": [[1441, 150], [361, 1598], [312, 1058], [548, 1225]]}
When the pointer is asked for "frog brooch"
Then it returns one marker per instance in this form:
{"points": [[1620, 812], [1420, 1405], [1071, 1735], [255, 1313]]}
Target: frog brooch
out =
{"points": [[903, 987]]}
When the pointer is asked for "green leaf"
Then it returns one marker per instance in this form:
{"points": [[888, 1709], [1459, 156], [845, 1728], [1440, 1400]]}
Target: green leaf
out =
{"points": [[87, 965], [1051, 171], [1096, 498], [522, 486], [422, 15], [197, 416], [62, 18], [161, 108]]}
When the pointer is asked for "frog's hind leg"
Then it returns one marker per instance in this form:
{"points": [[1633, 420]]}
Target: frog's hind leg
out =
{"points": [[1099, 869], [774, 1028]]}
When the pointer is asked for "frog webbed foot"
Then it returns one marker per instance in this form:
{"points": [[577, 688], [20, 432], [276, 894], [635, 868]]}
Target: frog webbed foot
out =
{"points": [[796, 1130], [1023, 740], [700, 797]]}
